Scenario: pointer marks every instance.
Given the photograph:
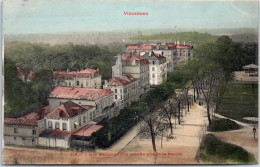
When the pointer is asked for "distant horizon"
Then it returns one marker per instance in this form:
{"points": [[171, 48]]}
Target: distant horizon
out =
{"points": [[154, 31]]}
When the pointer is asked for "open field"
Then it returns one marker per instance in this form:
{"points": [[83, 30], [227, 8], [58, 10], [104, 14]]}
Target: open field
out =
{"points": [[239, 101]]}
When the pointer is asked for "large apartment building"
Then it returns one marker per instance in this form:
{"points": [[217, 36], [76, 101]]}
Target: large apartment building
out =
{"points": [[125, 90], [102, 99], [174, 52], [157, 68], [134, 64], [88, 78]]}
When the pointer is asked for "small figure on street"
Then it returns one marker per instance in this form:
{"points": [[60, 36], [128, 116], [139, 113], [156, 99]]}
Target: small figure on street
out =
{"points": [[254, 131]]}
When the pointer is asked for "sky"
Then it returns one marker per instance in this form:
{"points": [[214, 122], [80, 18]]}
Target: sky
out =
{"points": [[59, 16]]}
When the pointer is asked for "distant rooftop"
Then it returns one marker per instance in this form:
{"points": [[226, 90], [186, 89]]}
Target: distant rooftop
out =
{"points": [[79, 93]]}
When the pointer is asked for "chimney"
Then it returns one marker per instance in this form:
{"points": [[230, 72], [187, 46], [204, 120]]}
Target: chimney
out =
{"points": [[184, 43]]}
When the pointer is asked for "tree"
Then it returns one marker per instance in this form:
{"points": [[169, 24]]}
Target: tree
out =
{"points": [[152, 125], [168, 110], [209, 87], [42, 85]]}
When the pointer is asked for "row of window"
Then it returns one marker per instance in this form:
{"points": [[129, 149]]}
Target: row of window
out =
{"points": [[16, 131], [23, 139], [57, 125]]}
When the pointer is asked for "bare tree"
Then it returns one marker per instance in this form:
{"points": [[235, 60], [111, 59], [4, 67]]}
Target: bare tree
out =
{"points": [[209, 87], [152, 125], [168, 110], [178, 98]]}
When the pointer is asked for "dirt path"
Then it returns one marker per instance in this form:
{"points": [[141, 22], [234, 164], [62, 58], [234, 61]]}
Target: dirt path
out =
{"points": [[131, 149], [242, 137]]}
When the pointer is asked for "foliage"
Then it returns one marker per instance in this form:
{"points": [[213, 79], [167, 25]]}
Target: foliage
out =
{"points": [[38, 56], [223, 125], [18, 94], [214, 150]]}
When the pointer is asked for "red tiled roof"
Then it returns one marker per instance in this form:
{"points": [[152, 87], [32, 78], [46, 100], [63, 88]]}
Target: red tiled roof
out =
{"points": [[129, 57], [129, 75], [179, 46], [87, 130], [116, 81], [55, 133], [87, 73], [140, 47], [170, 46], [32, 75], [79, 93], [67, 110], [30, 119], [158, 55], [21, 72]]}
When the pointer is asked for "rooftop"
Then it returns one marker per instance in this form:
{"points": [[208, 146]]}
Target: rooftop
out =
{"points": [[86, 73], [30, 119], [116, 81], [140, 47], [68, 109], [55, 133], [130, 57], [79, 93], [88, 130], [158, 55]]}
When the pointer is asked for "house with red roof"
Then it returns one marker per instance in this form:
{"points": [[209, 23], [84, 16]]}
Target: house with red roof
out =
{"points": [[101, 99], [62, 122], [87, 78], [157, 68], [135, 65], [24, 130], [126, 90], [174, 52]]}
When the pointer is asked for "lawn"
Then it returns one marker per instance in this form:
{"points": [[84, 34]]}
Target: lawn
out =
{"points": [[219, 125], [239, 101], [215, 151]]}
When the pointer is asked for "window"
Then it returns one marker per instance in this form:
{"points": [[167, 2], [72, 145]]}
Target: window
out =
{"points": [[49, 124], [153, 62], [64, 126], [57, 125], [32, 140], [69, 84], [115, 90], [15, 130], [120, 90], [115, 96], [14, 138], [77, 83], [34, 132], [23, 139], [81, 85], [75, 126], [94, 114], [84, 119], [86, 84], [79, 121], [153, 76], [90, 116], [153, 69]]}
